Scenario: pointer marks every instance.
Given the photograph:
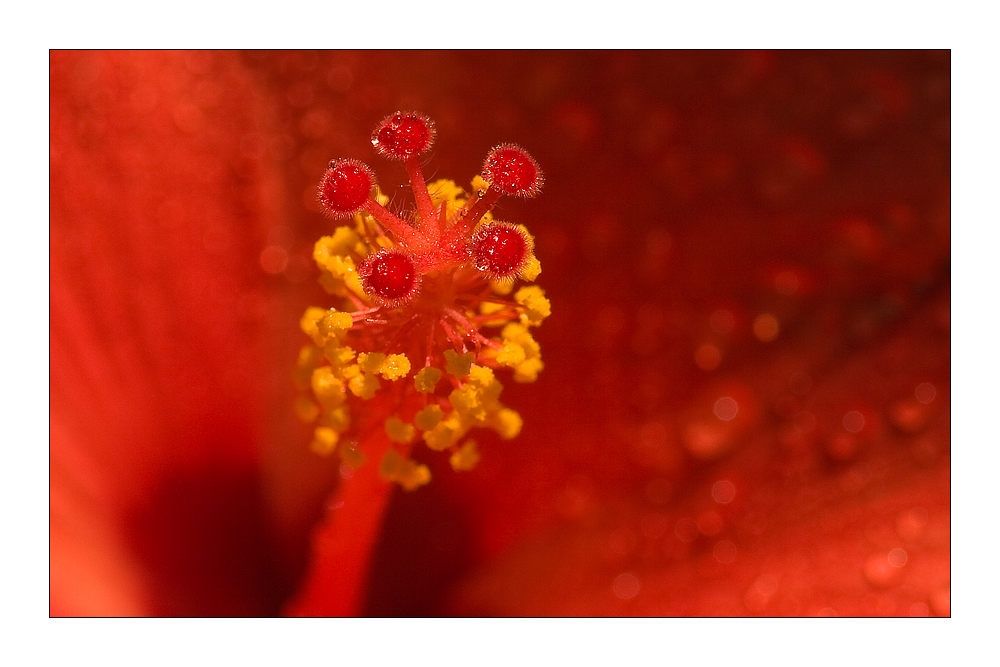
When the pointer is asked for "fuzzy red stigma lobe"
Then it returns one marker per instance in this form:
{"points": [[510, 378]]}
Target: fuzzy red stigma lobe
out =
{"points": [[345, 187], [511, 170], [403, 134], [390, 276], [500, 250]]}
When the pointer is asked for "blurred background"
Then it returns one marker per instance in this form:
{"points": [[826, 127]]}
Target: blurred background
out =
{"points": [[745, 408]]}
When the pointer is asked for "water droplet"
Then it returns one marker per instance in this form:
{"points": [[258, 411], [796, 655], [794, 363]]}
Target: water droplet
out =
{"points": [[725, 552], [726, 408], [626, 586], [723, 491], [854, 421], [925, 392], [919, 610], [897, 557]]}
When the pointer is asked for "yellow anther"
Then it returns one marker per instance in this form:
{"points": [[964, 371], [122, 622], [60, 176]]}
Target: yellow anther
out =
{"points": [[457, 364], [428, 418], [309, 357], [371, 362], [532, 268], [306, 409], [328, 389], [445, 190], [502, 287], [511, 354], [528, 370], [405, 472], [341, 242], [399, 431], [466, 457], [395, 367], [467, 402], [350, 372], [536, 306], [426, 379], [324, 440], [338, 356], [339, 419], [445, 434], [479, 184], [335, 324], [490, 308], [364, 386], [310, 324], [483, 377], [507, 423]]}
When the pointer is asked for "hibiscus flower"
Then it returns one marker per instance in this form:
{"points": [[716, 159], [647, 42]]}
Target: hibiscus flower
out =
{"points": [[744, 408]]}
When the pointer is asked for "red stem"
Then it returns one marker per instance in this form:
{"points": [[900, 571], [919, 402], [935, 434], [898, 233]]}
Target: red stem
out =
{"points": [[344, 542], [402, 231], [425, 209]]}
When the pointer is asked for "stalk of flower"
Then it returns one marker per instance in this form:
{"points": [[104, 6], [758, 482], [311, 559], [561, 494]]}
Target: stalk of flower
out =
{"points": [[426, 310]]}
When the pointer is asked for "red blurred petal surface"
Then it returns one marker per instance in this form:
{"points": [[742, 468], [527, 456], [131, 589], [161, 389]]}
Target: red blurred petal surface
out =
{"points": [[745, 405]]}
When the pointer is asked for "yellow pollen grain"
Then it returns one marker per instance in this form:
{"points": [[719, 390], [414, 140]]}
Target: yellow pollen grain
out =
{"points": [[335, 323], [508, 423], [405, 472], [306, 409], [399, 431], [428, 418], [458, 364], [339, 419], [324, 440], [371, 362], [310, 323], [532, 268], [528, 370], [443, 436], [467, 402], [510, 354], [466, 457], [364, 386], [395, 367], [338, 356], [536, 306], [328, 389], [426, 379]]}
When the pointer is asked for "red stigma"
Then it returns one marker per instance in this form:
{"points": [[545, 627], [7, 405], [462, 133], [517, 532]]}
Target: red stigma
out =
{"points": [[389, 275], [403, 134], [345, 187], [512, 171], [499, 250]]}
